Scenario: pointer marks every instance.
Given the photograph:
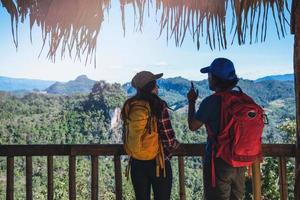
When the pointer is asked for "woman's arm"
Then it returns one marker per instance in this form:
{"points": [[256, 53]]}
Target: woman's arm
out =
{"points": [[166, 131]]}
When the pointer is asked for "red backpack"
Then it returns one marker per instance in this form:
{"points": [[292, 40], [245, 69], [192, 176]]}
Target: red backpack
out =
{"points": [[242, 121]]}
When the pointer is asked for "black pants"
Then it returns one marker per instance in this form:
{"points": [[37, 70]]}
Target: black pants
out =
{"points": [[230, 181], [143, 176]]}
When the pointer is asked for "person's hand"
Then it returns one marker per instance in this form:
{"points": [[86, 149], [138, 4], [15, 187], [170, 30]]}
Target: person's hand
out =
{"points": [[176, 144], [192, 95]]}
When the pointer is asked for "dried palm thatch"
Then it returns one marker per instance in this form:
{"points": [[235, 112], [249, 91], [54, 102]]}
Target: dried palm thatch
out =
{"points": [[74, 25]]}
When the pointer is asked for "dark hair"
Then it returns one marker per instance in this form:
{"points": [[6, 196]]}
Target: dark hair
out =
{"points": [[156, 104], [223, 84]]}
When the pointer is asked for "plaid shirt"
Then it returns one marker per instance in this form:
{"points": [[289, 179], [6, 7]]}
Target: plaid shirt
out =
{"points": [[167, 134]]}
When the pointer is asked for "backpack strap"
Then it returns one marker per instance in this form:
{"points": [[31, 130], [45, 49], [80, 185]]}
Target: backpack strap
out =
{"points": [[212, 138], [128, 166], [239, 88], [160, 160], [219, 150], [224, 140], [149, 123]]}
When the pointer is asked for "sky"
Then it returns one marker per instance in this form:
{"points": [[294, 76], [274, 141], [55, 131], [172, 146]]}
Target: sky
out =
{"points": [[119, 58]]}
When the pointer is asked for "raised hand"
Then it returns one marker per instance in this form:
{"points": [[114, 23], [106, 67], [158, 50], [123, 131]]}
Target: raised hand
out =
{"points": [[192, 95]]}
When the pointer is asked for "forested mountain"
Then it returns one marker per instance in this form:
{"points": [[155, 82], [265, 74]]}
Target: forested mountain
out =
{"points": [[174, 90], [284, 77], [81, 85], [38, 118], [175, 87]]}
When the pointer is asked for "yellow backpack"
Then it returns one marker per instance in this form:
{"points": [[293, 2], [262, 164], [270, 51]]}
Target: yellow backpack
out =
{"points": [[141, 138]]}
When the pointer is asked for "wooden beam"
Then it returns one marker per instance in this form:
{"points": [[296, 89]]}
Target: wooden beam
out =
{"points": [[296, 21], [269, 150]]}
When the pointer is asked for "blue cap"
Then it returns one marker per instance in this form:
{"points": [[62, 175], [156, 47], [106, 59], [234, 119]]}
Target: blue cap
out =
{"points": [[222, 68]]}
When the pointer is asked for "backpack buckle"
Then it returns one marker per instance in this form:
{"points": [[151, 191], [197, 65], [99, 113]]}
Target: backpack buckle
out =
{"points": [[265, 118]]}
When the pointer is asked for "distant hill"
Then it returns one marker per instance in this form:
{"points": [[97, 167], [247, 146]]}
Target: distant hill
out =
{"points": [[22, 84], [284, 77], [174, 90], [82, 84]]}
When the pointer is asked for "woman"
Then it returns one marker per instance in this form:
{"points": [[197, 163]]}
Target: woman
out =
{"points": [[149, 138]]}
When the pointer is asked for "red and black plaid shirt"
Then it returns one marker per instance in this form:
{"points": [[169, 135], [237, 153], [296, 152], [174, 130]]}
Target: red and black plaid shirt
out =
{"points": [[167, 134]]}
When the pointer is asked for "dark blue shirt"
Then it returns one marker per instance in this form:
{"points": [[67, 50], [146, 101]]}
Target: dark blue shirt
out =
{"points": [[209, 113]]}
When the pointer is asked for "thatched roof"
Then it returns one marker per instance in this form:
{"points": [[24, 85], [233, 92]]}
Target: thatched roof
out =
{"points": [[72, 26]]}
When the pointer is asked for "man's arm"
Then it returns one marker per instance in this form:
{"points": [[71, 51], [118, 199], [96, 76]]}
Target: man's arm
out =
{"points": [[194, 124], [192, 96]]}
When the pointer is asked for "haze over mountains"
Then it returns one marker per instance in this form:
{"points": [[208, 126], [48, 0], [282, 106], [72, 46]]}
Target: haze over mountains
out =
{"points": [[13, 84], [283, 77], [82, 84], [264, 90]]}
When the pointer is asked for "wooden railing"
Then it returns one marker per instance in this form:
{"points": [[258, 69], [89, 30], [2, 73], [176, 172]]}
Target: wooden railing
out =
{"points": [[281, 151]]}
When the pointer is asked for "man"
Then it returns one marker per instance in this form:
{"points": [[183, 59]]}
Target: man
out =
{"points": [[221, 180]]}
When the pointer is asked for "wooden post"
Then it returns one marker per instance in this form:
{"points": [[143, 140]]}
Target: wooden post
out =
{"points": [[10, 178], [95, 177], [50, 177], [72, 177], [181, 178], [295, 29], [256, 181], [118, 177], [282, 179], [28, 178]]}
